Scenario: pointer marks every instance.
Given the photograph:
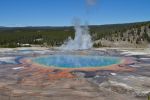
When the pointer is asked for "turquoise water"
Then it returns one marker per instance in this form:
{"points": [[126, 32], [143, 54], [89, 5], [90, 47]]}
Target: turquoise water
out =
{"points": [[76, 61]]}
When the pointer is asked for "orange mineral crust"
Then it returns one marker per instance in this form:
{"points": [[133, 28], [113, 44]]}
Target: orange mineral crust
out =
{"points": [[34, 74], [38, 75]]}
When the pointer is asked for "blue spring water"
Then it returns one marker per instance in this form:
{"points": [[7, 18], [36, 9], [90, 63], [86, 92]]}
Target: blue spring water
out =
{"points": [[25, 51], [76, 61]]}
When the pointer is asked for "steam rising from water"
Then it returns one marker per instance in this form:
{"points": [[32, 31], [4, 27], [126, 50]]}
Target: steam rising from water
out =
{"points": [[82, 38]]}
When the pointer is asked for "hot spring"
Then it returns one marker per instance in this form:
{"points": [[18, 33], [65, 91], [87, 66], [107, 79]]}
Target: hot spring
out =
{"points": [[76, 61], [81, 42]]}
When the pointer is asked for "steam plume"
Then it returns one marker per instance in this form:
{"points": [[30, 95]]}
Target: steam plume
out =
{"points": [[91, 2], [82, 38]]}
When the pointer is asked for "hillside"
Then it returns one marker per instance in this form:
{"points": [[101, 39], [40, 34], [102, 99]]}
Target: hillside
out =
{"points": [[124, 35], [115, 35]]}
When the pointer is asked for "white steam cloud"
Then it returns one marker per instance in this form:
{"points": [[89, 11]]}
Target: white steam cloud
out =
{"points": [[82, 38], [91, 2]]}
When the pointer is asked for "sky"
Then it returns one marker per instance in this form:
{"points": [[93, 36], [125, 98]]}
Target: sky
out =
{"points": [[62, 12]]}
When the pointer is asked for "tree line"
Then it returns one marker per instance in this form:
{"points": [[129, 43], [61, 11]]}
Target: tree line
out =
{"points": [[55, 36]]}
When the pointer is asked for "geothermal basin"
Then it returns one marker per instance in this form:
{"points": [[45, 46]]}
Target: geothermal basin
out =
{"points": [[49, 73]]}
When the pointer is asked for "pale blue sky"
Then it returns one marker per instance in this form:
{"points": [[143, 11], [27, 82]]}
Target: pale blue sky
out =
{"points": [[62, 12]]}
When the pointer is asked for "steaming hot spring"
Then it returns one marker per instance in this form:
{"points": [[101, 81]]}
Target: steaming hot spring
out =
{"points": [[80, 43], [77, 53]]}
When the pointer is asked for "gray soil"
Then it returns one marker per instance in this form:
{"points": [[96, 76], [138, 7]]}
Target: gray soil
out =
{"points": [[97, 85]]}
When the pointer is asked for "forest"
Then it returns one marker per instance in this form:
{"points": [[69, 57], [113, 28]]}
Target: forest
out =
{"points": [[55, 36]]}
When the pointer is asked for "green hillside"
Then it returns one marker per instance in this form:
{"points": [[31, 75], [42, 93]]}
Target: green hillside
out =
{"points": [[55, 36]]}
